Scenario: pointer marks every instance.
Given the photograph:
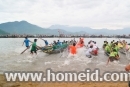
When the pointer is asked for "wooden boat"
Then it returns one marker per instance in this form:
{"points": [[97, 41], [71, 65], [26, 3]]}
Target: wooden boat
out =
{"points": [[122, 51], [106, 53], [50, 50]]}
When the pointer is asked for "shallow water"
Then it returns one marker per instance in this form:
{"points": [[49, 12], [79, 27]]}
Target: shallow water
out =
{"points": [[11, 60]]}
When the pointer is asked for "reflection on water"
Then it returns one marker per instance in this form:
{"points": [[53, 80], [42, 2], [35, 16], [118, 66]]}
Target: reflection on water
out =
{"points": [[11, 60]]}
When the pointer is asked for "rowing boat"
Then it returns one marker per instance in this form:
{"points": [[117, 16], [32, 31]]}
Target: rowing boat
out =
{"points": [[51, 50], [122, 51]]}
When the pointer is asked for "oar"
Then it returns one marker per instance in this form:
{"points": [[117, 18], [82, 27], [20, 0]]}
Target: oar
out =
{"points": [[26, 49]]}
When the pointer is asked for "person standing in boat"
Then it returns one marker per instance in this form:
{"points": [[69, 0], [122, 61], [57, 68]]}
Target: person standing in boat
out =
{"points": [[26, 41]]}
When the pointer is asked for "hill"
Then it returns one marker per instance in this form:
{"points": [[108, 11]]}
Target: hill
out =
{"points": [[3, 32], [21, 27]]}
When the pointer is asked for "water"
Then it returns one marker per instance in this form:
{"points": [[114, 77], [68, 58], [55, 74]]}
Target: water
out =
{"points": [[11, 60]]}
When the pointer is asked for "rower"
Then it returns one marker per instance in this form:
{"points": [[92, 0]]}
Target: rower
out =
{"points": [[46, 42], [95, 43], [107, 48], [116, 47], [89, 52], [54, 42], [59, 43], [95, 49], [116, 54], [113, 56], [113, 41], [120, 45], [104, 45], [89, 44], [127, 47], [80, 43], [111, 44]]}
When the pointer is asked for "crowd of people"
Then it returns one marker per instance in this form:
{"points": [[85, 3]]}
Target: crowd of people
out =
{"points": [[72, 45], [112, 49]]}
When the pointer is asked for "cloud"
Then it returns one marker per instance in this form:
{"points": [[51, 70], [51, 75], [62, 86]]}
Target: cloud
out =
{"points": [[110, 14]]}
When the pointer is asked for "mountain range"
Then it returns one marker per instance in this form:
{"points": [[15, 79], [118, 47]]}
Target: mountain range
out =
{"points": [[24, 27], [91, 31]]}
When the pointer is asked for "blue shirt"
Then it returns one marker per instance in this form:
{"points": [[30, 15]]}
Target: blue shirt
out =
{"points": [[46, 42], [59, 43], [26, 42]]}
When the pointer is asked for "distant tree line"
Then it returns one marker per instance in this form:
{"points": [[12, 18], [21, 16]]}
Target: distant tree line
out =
{"points": [[62, 36]]}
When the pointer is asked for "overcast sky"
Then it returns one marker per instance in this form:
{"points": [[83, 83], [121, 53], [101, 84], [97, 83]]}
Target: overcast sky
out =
{"points": [[112, 14]]}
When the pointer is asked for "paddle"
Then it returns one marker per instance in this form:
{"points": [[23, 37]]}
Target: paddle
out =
{"points": [[25, 49]]}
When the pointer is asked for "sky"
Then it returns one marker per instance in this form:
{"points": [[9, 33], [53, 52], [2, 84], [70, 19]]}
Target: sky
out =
{"points": [[97, 14]]}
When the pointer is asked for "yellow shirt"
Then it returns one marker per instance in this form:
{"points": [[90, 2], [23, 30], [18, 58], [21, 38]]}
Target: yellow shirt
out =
{"points": [[120, 45]]}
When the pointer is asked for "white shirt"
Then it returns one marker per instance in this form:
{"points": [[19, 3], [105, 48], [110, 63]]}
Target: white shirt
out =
{"points": [[91, 43], [88, 52], [94, 47]]}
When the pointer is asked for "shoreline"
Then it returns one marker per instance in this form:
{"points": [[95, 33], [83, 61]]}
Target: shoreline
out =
{"points": [[63, 36], [3, 83], [70, 37]]}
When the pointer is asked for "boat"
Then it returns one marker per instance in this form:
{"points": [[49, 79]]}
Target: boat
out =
{"points": [[106, 53], [50, 50], [122, 51]]}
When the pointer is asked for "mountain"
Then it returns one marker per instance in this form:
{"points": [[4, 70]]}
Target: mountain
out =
{"points": [[70, 28], [23, 27], [90, 30], [3, 32]]}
